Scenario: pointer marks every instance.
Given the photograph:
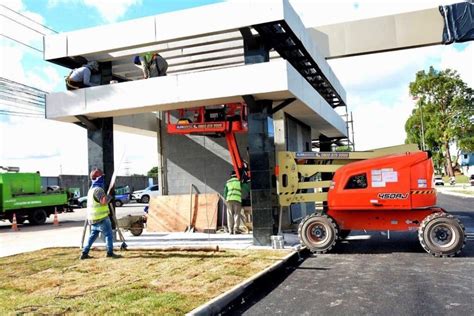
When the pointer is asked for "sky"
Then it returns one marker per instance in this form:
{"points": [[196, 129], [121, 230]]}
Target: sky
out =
{"points": [[376, 85]]}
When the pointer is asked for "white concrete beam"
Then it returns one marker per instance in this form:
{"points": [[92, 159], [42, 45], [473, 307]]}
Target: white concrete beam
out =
{"points": [[198, 89], [380, 34], [168, 32]]}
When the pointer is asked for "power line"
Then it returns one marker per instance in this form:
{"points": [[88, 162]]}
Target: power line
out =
{"points": [[22, 85], [36, 22], [21, 43], [37, 111], [24, 25], [16, 113]]}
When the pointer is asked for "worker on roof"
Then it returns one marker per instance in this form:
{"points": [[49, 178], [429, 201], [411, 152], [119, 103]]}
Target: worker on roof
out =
{"points": [[98, 215], [233, 196], [152, 65], [81, 77]]}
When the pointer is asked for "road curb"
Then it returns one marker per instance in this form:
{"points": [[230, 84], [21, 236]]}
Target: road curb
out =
{"points": [[447, 192], [223, 301]]}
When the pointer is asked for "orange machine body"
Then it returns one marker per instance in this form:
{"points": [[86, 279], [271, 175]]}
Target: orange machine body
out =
{"points": [[393, 192]]}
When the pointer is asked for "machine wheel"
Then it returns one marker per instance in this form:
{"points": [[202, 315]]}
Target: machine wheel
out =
{"points": [[442, 235], [136, 229], [145, 199], [343, 233], [318, 232], [83, 204], [38, 217], [118, 203]]}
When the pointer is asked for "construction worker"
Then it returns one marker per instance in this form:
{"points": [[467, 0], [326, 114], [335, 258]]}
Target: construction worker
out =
{"points": [[81, 77], [233, 196], [98, 215], [152, 65]]}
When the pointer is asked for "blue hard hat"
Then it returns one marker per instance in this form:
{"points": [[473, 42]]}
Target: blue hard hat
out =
{"points": [[136, 60]]}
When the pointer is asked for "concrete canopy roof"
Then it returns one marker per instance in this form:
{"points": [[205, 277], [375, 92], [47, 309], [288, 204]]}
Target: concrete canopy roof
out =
{"points": [[204, 49], [276, 80]]}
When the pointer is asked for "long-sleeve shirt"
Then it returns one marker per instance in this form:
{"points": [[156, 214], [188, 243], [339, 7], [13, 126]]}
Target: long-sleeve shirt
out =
{"points": [[82, 74]]}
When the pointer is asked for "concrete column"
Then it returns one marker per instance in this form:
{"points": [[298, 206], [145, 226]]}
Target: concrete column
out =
{"points": [[280, 136], [262, 160], [101, 147], [162, 168]]}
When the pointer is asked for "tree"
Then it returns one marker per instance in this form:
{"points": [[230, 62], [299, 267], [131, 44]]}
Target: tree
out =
{"points": [[153, 172], [445, 110]]}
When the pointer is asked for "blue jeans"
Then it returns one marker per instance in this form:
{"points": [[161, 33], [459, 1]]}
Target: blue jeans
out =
{"points": [[104, 226]]}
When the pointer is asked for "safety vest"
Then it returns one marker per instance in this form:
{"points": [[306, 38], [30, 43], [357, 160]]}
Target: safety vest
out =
{"points": [[95, 210], [234, 190]]}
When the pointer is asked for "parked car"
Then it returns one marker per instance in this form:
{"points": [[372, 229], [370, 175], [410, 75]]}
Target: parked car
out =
{"points": [[143, 196], [471, 179], [438, 180], [122, 196], [82, 202]]}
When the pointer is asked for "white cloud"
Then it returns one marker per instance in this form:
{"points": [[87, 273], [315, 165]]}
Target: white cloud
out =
{"points": [[109, 10], [377, 125], [461, 61]]}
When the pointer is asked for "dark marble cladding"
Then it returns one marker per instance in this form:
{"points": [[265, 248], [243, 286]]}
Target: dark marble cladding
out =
{"points": [[101, 147]]}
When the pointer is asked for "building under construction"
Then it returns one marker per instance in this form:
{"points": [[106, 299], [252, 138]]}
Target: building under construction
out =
{"points": [[252, 78]]}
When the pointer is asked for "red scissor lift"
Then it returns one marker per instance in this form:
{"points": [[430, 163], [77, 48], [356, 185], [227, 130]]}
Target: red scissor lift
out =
{"points": [[214, 121]]}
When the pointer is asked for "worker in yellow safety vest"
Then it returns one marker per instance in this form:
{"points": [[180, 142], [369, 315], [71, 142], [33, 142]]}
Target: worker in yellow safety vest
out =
{"points": [[152, 65], [233, 196], [98, 215]]}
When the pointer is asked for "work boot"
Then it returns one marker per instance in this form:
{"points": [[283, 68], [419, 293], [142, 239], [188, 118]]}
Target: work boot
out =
{"points": [[113, 256], [85, 256]]}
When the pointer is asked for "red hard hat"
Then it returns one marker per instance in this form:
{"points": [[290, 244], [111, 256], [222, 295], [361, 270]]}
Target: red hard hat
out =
{"points": [[95, 173]]}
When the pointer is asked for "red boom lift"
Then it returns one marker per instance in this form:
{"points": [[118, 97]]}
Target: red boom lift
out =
{"points": [[215, 121]]}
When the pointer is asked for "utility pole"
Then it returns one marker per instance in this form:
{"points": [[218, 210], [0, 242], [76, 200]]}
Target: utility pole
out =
{"points": [[423, 147]]}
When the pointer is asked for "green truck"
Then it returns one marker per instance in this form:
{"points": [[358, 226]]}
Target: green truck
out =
{"points": [[21, 194]]}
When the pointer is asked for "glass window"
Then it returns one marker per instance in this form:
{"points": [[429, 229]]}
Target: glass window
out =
{"points": [[358, 181], [154, 188]]}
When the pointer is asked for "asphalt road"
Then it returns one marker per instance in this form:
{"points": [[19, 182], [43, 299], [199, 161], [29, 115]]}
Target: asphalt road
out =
{"points": [[372, 275]]}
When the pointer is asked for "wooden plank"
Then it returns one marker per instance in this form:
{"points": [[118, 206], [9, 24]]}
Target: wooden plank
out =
{"points": [[172, 213]]}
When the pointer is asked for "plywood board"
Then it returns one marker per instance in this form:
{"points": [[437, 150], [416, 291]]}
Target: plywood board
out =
{"points": [[173, 213]]}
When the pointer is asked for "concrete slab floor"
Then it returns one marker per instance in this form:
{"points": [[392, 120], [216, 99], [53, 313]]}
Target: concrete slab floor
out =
{"points": [[68, 234]]}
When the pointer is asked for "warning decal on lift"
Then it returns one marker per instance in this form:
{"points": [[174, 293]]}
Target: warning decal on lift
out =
{"points": [[200, 126], [393, 196], [380, 177]]}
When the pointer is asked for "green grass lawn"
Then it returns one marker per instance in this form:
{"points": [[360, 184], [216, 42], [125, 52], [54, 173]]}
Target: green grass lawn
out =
{"points": [[459, 179], [55, 281]]}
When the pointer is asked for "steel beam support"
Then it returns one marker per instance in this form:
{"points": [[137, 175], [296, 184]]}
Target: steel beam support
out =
{"points": [[255, 50], [262, 162], [283, 105]]}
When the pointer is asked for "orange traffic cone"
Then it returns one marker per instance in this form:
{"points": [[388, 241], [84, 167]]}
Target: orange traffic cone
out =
{"points": [[14, 223], [56, 220]]}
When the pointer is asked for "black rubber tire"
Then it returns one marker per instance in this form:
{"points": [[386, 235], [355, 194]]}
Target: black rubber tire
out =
{"points": [[145, 199], [318, 232], [118, 203], [83, 204], [442, 235], [136, 229], [38, 217], [343, 233]]}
